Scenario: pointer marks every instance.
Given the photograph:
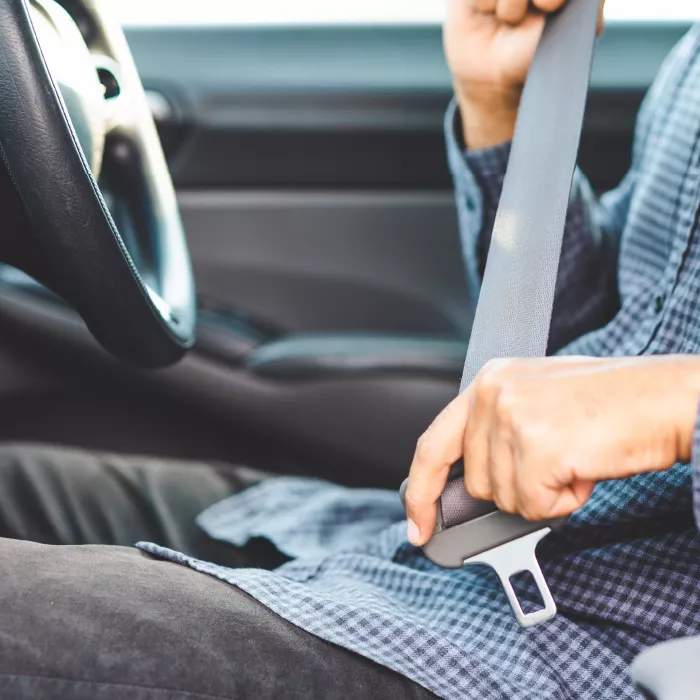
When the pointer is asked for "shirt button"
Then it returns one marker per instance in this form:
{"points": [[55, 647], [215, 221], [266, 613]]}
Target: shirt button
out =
{"points": [[659, 302]]}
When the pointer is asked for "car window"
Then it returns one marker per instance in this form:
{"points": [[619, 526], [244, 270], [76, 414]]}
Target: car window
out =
{"points": [[652, 10], [154, 12]]}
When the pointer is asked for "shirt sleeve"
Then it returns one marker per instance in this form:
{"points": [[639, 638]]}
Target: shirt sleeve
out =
{"points": [[586, 294], [696, 470]]}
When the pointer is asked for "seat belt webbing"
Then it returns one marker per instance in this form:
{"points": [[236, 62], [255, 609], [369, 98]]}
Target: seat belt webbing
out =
{"points": [[514, 310]]}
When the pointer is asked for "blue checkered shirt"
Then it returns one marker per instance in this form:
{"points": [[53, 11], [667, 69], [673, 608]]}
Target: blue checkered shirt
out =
{"points": [[625, 570]]}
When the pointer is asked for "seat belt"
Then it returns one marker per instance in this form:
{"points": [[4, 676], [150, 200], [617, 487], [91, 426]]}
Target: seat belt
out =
{"points": [[514, 310]]}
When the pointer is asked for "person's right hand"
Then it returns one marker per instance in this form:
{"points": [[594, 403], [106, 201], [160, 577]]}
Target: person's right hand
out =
{"points": [[489, 45]]}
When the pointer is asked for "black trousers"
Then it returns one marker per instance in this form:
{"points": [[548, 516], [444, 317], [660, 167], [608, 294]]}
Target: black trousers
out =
{"points": [[85, 616]]}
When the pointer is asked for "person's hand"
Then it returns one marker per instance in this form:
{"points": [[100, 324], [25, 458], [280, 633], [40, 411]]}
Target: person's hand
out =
{"points": [[489, 45], [537, 434]]}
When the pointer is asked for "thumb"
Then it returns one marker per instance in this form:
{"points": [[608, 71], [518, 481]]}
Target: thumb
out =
{"points": [[437, 450]]}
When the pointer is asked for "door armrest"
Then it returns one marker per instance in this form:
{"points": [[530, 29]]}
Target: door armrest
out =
{"points": [[329, 355]]}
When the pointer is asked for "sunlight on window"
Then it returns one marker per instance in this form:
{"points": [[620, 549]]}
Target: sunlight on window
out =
{"points": [[654, 10], [281, 12]]}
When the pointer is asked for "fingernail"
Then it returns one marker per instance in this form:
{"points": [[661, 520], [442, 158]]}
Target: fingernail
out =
{"points": [[413, 533]]}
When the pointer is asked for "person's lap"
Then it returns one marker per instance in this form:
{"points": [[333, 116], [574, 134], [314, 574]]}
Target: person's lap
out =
{"points": [[106, 621]]}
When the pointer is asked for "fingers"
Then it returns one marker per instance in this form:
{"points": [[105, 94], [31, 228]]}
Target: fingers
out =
{"points": [[502, 469], [543, 486], [548, 5], [548, 506], [486, 7], [437, 450], [514, 430], [512, 11], [477, 437], [489, 462], [515, 11]]}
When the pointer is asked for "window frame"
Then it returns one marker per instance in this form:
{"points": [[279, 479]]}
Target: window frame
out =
{"points": [[360, 12]]}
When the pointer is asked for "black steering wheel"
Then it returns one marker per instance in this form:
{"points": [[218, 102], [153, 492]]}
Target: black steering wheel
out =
{"points": [[70, 116]]}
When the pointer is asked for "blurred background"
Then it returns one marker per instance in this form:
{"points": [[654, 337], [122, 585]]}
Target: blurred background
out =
{"points": [[364, 11], [306, 143]]}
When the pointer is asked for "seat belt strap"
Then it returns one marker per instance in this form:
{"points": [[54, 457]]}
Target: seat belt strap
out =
{"points": [[514, 310]]}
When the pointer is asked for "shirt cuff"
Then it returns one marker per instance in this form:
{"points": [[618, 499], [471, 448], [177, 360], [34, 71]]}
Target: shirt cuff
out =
{"points": [[476, 172], [696, 470], [465, 183], [489, 166], [478, 178]]}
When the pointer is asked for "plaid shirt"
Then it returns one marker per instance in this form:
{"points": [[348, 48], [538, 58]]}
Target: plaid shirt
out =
{"points": [[625, 570]]}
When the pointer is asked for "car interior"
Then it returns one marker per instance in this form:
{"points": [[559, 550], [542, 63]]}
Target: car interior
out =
{"points": [[309, 167]]}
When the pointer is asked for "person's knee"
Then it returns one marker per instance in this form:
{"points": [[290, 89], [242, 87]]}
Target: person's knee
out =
{"points": [[38, 487], [18, 456], [21, 467], [36, 458], [12, 454], [113, 615]]}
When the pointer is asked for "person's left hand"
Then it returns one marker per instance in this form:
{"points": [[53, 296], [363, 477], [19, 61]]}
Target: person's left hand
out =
{"points": [[537, 434]]}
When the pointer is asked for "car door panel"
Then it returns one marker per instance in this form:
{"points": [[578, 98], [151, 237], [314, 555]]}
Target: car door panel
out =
{"points": [[315, 166], [329, 261]]}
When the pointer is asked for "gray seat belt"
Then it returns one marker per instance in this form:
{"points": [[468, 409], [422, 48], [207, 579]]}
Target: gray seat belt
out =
{"points": [[514, 311]]}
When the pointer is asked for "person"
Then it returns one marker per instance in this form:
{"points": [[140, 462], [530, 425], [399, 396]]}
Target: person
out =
{"points": [[294, 588]]}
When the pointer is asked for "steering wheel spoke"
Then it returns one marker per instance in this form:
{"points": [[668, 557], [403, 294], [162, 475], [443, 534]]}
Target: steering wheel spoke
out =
{"points": [[89, 113], [118, 109]]}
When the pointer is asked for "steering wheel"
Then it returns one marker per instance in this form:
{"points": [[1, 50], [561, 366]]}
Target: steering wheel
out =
{"points": [[70, 116]]}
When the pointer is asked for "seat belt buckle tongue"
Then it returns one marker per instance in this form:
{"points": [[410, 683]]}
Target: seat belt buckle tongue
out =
{"points": [[513, 558], [531, 219], [506, 543]]}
